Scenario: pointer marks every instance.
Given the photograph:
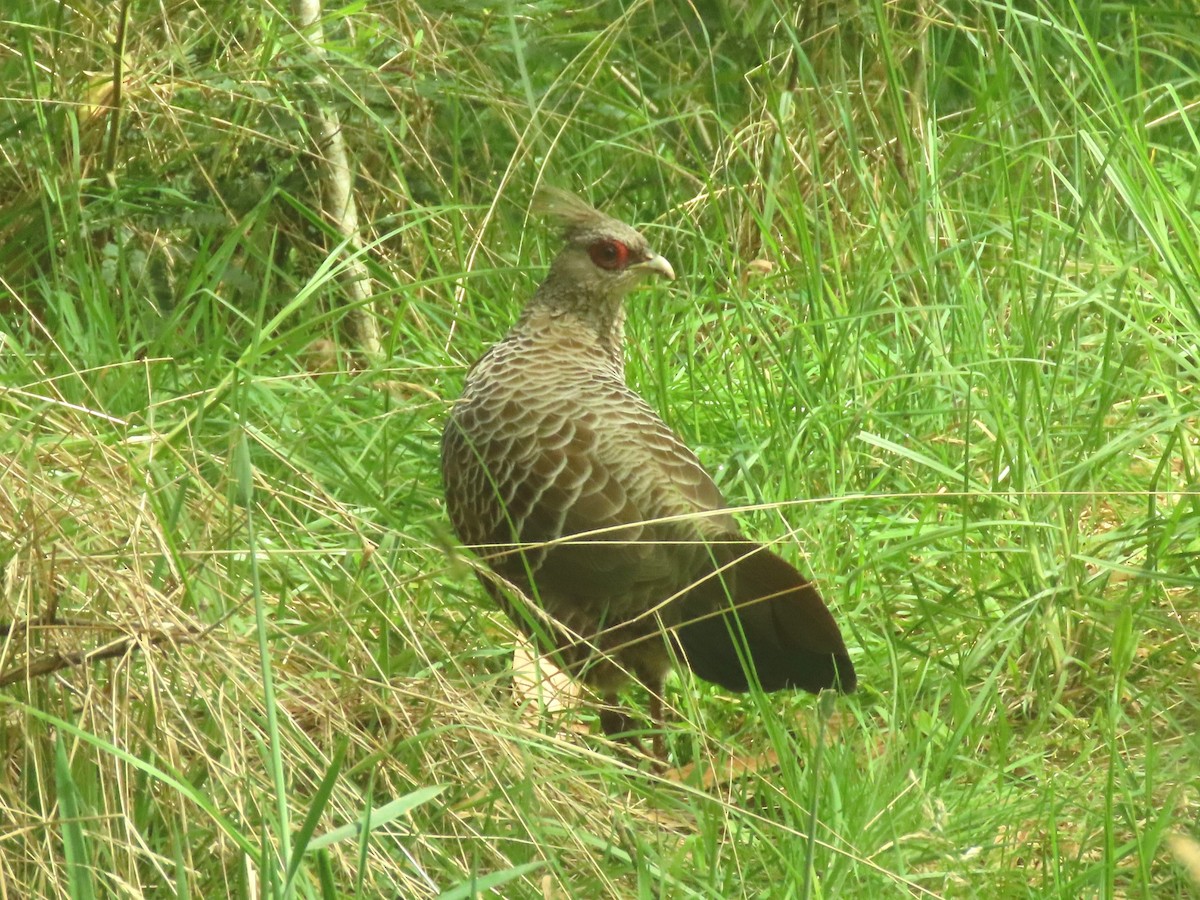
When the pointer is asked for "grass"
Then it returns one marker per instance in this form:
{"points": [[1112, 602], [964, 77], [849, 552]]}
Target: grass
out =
{"points": [[936, 331]]}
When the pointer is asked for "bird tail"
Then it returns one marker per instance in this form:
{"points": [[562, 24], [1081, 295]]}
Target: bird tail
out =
{"points": [[758, 614]]}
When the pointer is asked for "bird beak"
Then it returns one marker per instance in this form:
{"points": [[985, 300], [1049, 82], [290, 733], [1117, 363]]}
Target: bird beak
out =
{"points": [[657, 265]]}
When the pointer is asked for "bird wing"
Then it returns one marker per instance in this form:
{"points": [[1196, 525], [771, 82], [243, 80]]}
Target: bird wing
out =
{"points": [[601, 514], [589, 490]]}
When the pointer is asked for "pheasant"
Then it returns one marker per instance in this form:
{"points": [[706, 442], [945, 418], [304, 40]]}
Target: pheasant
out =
{"points": [[614, 548]]}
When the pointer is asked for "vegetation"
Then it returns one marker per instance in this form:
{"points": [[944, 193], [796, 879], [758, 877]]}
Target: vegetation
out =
{"points": [[937, 330]]}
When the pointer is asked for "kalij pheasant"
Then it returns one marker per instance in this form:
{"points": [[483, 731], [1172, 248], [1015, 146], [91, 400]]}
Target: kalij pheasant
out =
{"points": [[618, 544]]}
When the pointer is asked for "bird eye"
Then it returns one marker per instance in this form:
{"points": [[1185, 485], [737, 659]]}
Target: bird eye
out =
{"points": [[611, 255]]}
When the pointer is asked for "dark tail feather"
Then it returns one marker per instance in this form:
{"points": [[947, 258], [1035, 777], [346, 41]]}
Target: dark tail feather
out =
{"points": [[777, 623]]}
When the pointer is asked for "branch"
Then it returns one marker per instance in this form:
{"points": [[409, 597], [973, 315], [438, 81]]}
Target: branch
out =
{"points": [[337, 197]]}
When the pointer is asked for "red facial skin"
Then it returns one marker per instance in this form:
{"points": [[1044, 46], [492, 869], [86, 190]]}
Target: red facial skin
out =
{"points": [[610, 255]]}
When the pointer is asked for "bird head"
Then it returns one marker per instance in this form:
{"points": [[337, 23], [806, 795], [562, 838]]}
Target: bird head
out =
{"points": [[602, 255]]}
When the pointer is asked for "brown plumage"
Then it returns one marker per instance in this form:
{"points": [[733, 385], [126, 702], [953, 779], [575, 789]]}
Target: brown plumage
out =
{"points": [[573, 490]]}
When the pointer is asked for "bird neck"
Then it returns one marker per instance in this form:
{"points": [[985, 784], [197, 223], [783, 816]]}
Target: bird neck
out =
{"points": [[589, 315]]}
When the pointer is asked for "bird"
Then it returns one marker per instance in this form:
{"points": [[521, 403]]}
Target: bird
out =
{"points": [[605, 540]]}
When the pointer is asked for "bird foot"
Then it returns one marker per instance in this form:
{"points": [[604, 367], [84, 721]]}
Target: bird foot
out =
{"points": [[620, 728]]}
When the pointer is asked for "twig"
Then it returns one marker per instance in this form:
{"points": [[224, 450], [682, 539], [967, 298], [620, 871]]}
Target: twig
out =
{"points": [[114, 97], [55, 662], [337, 194]]}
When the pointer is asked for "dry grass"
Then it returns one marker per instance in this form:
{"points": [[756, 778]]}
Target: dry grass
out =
{"points": [[132, 639], [937, 284]]}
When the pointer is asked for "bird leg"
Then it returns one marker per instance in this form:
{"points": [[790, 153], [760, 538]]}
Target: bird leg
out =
{"points": [[658, 748], [617, 725]]}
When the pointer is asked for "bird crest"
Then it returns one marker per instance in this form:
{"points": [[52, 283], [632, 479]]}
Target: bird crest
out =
{"points": [[571, 213]]}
